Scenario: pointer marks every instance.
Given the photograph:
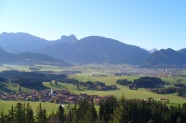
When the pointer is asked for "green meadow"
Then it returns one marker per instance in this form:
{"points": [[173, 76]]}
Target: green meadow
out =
{"points": [[87, 74], [5, 106], [141, 93]]}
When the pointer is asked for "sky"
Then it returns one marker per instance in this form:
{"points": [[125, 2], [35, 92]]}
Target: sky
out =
{"points": [[148, 24]]}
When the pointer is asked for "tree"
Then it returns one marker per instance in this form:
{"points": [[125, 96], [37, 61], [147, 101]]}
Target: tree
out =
{"points": [[61, 115], [86, 112], [29, 114], [71, 116], [107, 108], [2, 119], [41, 115], [119, 115], [19, 113], [151, 121], [11, 113], [20, 90], [179, 120]]}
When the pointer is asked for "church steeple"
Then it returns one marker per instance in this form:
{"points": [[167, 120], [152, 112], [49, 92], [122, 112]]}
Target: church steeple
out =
{"points": [[51, 92]]}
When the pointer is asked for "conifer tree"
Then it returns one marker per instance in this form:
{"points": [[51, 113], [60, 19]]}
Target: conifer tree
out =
{"points": [[20, 90], [29, 118], [107, 108], [41, 115], [86, 112], [61, 115], [119, 115], [11, 113], [71, 116], [2, 119], [19, 113]]}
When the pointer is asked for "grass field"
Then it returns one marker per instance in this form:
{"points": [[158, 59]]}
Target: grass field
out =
{"points": [[140, 93], [6, 105], [87, 72], [123, 90]]}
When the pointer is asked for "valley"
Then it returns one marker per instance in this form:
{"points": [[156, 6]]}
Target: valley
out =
{"points": [[106, 73], [92, 70]]}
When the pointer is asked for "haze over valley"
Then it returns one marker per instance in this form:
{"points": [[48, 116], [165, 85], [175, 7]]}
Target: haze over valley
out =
{"points": [[91, 49], [92, 61]]}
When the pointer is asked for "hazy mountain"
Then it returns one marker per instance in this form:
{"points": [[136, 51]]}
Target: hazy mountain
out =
{"points": [[21, 42], [67, 39], [95, 49], [28, 58], [24, 42], [153, 50], [166, 58], [6, 57], [183, 51]]}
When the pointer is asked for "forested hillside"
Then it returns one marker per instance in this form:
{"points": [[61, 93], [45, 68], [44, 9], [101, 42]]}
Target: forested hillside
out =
{"points": [[110, 110]]}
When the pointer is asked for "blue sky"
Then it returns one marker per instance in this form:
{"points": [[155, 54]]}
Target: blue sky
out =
{"points": [[145, 23]]}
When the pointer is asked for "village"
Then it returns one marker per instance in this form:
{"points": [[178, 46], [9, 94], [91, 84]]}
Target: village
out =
{"points": [[50, 95]]}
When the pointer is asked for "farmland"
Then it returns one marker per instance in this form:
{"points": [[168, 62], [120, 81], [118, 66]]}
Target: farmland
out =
{"points": [[6, 105], [102, 73]]}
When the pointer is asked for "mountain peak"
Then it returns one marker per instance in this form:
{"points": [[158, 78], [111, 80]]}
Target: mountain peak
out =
{"points": [[97, 49], [153, 50], [70, 39]]}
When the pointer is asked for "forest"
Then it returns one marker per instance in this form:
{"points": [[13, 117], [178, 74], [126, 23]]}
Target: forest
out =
{"points": [[90, 85], [29, 79], [35, 79], [142, 82], [110, 109], [155, 85]]}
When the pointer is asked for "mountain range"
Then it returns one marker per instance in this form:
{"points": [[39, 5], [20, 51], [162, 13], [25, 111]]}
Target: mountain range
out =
{"points": [[93, 49], [167, 58]]}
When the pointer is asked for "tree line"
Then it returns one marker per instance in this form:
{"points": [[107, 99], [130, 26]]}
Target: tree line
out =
{"points": [[35, 79], [142, 82], [111, 110], [15, 74], [29, 79], [155, 84], [178, 88], [97, 85]]}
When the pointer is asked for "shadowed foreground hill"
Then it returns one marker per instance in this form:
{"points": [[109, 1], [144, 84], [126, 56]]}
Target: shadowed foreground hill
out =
{"points": [[28, 58], [6, 57], [95, 49], [166, 58]]}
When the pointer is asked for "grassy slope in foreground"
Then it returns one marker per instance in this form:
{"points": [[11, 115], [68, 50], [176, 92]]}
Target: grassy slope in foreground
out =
{"points": [[5, 105]]}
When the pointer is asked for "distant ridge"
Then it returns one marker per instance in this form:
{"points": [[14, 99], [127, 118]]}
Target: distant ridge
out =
{"points": [[153, 50], [21, 42], [183, 51], [24, 42], [96, 49], [166, 58], [92, 49]]}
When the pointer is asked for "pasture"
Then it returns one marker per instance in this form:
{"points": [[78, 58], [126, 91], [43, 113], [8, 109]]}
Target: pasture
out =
{"points": [[87, 74], [141, 93], [5, 106]]}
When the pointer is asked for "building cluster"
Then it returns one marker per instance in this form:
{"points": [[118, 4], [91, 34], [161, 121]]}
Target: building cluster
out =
{"points": [[49, 95]]}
